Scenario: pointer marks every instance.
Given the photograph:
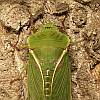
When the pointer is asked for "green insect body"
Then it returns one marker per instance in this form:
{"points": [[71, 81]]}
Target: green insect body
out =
{"points": [[49, 76]]}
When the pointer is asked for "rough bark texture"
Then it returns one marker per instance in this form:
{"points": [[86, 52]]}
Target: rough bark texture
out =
{"points": [[80, 19]]}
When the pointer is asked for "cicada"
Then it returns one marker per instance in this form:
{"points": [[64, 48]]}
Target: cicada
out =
{"points": [[49, 76]]}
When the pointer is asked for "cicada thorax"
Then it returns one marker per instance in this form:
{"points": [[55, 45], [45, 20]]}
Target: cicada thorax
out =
{"points": [[47, 84]]}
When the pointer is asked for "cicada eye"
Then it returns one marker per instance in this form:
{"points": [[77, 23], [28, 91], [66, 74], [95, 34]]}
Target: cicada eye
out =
{"points": [[48, 27]]}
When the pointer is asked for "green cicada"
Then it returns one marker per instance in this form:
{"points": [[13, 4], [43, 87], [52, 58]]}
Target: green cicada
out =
{"points": [[49, 76]]}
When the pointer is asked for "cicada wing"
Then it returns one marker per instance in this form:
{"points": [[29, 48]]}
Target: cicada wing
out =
{"points": [[61, 87], [35, 82]]}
